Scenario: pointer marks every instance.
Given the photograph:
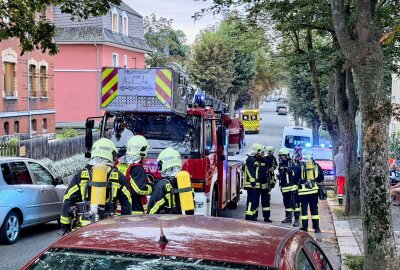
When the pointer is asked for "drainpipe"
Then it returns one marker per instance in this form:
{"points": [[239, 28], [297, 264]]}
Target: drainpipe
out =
{"points": [[98, 77], [28, 97]]}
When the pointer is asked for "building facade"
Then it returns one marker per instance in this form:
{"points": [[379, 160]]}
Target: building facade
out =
{"points": [[27, 101], [115, 39]]}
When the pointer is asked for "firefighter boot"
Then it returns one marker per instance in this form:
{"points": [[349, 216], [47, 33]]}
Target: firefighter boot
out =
{"points": [[304, 223], [288, 219], [267, 220], [296, 222], [316, 226]]}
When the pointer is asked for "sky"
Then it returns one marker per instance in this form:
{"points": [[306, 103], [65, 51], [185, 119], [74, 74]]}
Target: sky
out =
{"points": [[178, 10]]}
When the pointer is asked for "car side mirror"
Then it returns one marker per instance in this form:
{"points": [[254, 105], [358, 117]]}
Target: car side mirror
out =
{"points": [[222, 157], [58, 181], [222, 135], [207, 152]]}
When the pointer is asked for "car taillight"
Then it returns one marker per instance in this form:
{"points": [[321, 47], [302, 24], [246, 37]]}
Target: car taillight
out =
{"points": [[199, 185]]}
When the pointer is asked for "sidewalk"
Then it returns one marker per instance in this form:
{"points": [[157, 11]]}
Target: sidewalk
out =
{"points": [[349, 231]]}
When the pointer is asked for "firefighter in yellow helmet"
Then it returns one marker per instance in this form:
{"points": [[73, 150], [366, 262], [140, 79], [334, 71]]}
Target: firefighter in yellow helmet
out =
{"points": [[288, 181], [173, 194], [131, 166], [93, 193], [255, 178], [311, 176]]}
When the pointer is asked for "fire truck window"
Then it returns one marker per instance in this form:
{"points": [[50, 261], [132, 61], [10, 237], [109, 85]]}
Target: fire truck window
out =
{"points": [[209, 134], [319, 258], [303, 262], [254, 117], [22, 175]]}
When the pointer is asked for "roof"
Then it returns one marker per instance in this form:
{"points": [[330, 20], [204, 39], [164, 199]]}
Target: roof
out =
{"points": [[201, 237], [5, 159], [98, 35], [124, 6]]}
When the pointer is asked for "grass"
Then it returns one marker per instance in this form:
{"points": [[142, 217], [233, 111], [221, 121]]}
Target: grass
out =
{"points": [[331, 194], [354, 262], [339, 212]]}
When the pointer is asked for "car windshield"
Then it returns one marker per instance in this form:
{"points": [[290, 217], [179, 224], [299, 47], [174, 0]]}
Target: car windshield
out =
{"points": [[322, 154], [162, 131], [85, 260], [292, 141]]}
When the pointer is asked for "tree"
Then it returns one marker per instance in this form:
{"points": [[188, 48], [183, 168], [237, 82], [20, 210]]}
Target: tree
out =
{"points": [[20, 19], [358, 34], [168, 44]]}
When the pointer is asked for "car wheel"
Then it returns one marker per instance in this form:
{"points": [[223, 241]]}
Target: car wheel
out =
{"points": [[9, 232], [214, 203]]}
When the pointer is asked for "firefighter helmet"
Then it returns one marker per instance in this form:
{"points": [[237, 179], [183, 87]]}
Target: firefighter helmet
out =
{"points": [[169, 158], [284, 152], [257, 148], [270, 149], [306, 155], [104, 148], [138, 146]]}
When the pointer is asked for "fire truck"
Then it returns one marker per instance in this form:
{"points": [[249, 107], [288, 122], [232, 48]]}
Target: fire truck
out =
{"points": [[159, 104]]}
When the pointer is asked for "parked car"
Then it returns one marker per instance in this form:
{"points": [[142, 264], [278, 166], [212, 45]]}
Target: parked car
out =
{"points": [[282, 111], [281, 103], [182, 242], [323, 156], [29, 195]]}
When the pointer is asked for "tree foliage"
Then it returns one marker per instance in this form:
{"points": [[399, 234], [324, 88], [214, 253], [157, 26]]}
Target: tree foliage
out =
{"points": [[21, 19], [168, 45]]}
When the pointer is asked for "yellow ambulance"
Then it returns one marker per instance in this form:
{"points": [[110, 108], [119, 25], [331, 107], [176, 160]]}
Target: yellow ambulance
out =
{"points": [[251, 120]]}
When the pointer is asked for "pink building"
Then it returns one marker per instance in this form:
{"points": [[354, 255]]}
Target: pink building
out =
{"points": [[116, 39]]}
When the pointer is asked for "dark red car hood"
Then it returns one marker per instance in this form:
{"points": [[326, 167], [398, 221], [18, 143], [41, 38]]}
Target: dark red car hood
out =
{"points": [[219, 239]]}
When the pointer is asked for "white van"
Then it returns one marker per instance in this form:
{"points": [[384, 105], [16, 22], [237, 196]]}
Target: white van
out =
{"points": [[296, 136]]}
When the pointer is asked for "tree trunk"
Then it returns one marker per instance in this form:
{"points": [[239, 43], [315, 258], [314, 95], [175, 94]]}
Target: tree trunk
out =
{"points": [[364, 52], [232, 102], [315, 131], [346, 118], [296, 121]]}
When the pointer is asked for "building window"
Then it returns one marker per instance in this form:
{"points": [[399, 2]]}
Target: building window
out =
{"points": [[43, 80], [44, 124], [125, 61], [6, 128], [124, 24], [115, 59], [33, 126], [32, 81], [9, 79], [16, 127], [114, 17]]}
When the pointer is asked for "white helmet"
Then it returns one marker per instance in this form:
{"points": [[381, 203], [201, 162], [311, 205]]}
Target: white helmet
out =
{"points": [[137, 146]]}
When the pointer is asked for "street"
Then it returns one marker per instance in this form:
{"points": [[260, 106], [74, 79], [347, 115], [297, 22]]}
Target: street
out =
{"points": [[35, 239]]}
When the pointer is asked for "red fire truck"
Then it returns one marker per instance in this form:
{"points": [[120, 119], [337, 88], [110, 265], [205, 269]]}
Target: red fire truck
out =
{"points": [[160, 105]]}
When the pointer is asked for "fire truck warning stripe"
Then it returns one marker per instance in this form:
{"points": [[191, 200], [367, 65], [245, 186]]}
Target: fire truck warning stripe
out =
{"points": [[163, 86], [106, 72], [109, 93], [112, 83], [160, 93], [167, 73], [111, 98], [109, 77], [166, 78]]}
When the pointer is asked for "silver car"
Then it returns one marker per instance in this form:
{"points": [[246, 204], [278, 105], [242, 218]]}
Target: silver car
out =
{"points": [[29, 195]]}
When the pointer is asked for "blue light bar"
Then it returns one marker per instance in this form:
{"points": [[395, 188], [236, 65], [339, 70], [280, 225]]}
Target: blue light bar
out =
{"points": [[308, 145], [322, 145], [200, 99]]}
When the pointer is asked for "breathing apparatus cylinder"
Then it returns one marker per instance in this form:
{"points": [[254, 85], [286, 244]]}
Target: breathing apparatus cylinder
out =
{"points": [[185, 190], [310, 170], [99, 187]]}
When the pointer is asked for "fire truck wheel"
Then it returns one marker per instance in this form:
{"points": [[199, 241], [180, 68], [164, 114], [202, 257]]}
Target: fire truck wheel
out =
{"points": [[235, 202], [214, 203]]}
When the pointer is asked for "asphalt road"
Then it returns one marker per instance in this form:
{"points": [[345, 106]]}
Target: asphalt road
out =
{"points": [[37, 238]]}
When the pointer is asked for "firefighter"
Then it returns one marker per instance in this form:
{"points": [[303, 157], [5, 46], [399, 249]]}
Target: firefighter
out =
{"points": [[172, 194], [312, 175], [78, 196], [288, 184], [266, 190], [131, 166], [296, 179], [255, 178]]}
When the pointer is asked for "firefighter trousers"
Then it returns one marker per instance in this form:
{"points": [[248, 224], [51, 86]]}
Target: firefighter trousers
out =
{"points": [[296, 203], [288, 202], [312, 201], [253, 202]]}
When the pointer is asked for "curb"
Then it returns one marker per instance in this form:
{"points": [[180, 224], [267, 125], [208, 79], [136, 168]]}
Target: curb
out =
{"points": [[346, 241]]}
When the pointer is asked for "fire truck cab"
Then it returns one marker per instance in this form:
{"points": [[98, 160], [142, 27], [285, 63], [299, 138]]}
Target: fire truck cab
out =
{"points": [[160, 105]]}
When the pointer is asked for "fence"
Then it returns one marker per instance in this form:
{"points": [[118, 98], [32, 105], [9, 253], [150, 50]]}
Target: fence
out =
{"points": [[41, 147]]}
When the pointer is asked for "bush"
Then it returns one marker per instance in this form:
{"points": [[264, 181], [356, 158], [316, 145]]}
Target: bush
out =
{"points": [[354, 262], [394, 145], [66, 167], [69, 133]]}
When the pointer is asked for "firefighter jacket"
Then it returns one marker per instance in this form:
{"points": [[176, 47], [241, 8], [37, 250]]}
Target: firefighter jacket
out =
{"points": [[311, 174], [256, 173], [138, 185], [165, 198], [288, 176], [79, 191], [272, 164]]}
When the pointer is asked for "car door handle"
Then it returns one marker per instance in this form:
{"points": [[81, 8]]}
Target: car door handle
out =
{"points": [[20, 190]]}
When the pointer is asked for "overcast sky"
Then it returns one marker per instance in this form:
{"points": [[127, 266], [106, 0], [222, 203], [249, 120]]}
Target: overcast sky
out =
{"points": [[178, 10]]}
